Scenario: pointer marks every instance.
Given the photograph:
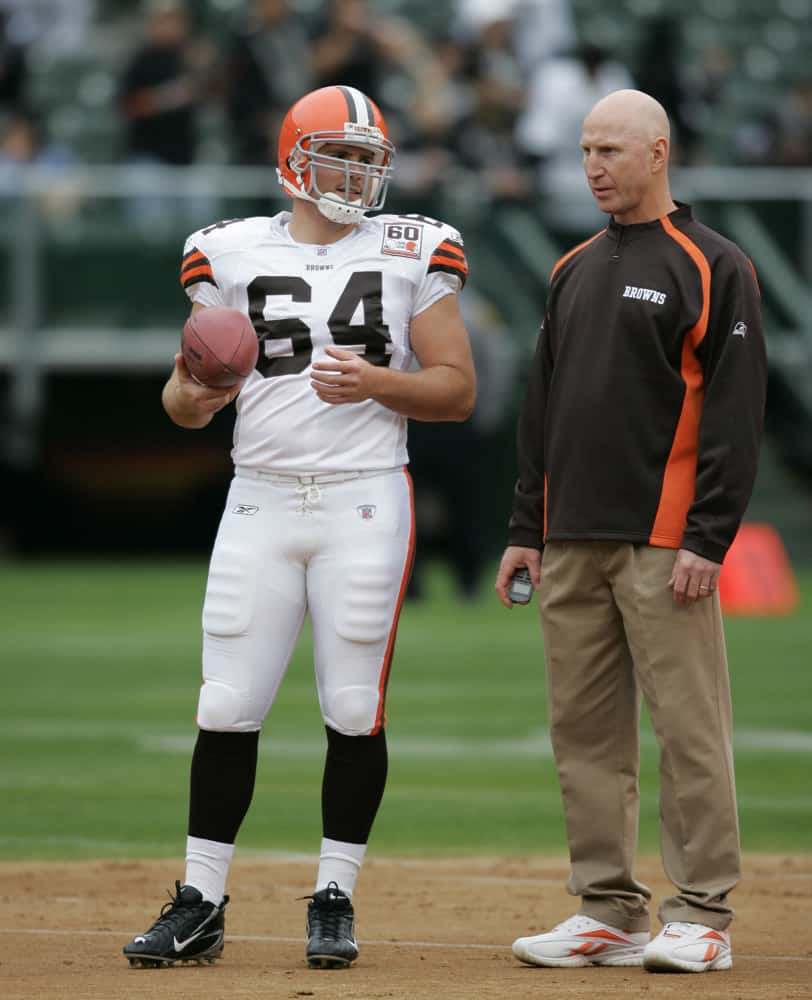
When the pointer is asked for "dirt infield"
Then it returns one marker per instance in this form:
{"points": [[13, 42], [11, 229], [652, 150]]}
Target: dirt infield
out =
{"points": [[436, 929]]}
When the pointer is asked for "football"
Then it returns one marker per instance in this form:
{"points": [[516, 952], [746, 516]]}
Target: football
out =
{"points": [[220, 346]]}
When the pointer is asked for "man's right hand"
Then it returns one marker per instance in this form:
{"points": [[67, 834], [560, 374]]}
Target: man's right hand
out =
{"points": [[514, 558], [190, 404]]}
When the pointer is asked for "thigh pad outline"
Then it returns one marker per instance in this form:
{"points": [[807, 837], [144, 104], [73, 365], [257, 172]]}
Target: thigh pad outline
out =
{"points": [[232, 586], [364, 609]]}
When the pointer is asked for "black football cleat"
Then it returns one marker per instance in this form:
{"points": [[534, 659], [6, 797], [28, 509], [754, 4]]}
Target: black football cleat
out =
{"points": [[330, 929], [189, 929]]}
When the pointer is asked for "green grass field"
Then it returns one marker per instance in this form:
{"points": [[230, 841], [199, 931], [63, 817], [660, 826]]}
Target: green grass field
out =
{"points": [[100, 669]]}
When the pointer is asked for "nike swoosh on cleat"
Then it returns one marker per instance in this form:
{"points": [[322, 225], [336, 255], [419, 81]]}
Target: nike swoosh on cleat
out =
{"points": [[180, 945]]}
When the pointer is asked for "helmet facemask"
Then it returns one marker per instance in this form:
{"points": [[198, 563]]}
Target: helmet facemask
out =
{"points": [[365, 184]]}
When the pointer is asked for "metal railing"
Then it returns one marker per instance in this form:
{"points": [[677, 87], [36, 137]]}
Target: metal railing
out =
{"points": [[74, 239]]}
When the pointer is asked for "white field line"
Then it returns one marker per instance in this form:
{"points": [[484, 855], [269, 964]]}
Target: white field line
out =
{"points": [[279, 939], [536, 743], [255, 856]]}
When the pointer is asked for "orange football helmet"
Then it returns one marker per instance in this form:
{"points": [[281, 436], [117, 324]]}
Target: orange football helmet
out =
{"points": [[336, 115]]}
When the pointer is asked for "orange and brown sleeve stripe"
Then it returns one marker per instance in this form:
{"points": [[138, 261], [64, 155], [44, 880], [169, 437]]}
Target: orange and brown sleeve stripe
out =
{"points": [[195, 267], [449, 256], [679, 480]]}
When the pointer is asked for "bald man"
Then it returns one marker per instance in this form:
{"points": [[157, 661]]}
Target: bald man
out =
{"points": [[637, 448]]}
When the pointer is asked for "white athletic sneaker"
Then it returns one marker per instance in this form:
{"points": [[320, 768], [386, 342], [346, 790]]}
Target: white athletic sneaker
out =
{"points": [[582, 941], [687, 947]]}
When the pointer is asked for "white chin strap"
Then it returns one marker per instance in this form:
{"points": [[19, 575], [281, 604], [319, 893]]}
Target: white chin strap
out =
{"points": [[336, 210], [330, 205]]}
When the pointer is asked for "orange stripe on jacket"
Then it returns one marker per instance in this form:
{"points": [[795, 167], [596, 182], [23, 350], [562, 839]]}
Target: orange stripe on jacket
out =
{"points": [[574, 250], [679, 479], [753, 269], [380, 715]]}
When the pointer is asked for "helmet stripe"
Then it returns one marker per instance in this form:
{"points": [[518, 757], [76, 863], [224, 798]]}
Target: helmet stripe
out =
{"points": [[358, 106], [367, 108], [351, 112]]}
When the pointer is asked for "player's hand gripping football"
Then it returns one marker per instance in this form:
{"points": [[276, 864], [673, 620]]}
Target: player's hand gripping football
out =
{"points": [[346, 379], [190, 404]]}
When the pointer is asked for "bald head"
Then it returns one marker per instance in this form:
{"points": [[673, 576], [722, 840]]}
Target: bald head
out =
{"points": [[625, 142], [632, 112]]}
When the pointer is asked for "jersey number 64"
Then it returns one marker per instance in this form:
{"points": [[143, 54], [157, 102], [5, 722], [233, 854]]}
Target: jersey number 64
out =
{"points": [[373, 334]]}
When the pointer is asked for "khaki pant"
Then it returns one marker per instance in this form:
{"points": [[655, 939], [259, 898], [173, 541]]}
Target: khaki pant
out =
{"points": [[611, 631]]}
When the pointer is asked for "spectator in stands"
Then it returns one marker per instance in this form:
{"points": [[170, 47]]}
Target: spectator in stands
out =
{"points": [[355, 45], [24, 144], [540, 28], [163, 87], [779, 134], [794, 139], [485, 141], [708, 87], [13, 69], [268, 65], [561, 93], [162, 90], [441, 98], [543, 29], [346, 46], [58, 27], [660, 73], [694, 84]]}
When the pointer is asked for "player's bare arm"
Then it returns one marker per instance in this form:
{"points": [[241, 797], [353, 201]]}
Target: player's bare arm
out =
{"points": [[444, 388], [188, 403], [516, 557]]}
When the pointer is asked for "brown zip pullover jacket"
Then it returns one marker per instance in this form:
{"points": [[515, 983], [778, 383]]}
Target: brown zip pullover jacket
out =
{"points": [[644, 408]]}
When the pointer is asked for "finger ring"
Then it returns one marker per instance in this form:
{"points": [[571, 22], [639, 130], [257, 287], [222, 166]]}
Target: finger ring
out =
{"points": [[703, 588]]}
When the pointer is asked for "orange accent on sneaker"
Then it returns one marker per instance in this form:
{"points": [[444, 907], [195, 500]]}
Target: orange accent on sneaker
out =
{"points": [[608, 935], [715, 935], [589, 948]]}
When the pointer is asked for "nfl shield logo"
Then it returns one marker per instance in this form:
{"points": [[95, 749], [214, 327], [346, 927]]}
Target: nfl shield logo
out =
{"points": [[366, 512]]}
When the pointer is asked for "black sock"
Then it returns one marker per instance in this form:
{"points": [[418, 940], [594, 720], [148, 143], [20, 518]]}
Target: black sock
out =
{"points": [[224, 766], [352, 788]]}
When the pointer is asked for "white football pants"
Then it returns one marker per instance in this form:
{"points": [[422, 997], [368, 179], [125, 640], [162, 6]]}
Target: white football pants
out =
{"points": [[339, 546]]}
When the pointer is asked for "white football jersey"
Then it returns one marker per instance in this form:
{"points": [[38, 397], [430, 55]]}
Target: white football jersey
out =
{"points": [[358, 294]]}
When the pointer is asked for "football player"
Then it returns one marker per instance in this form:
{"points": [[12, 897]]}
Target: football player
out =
{"points": [[359, 328]]}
